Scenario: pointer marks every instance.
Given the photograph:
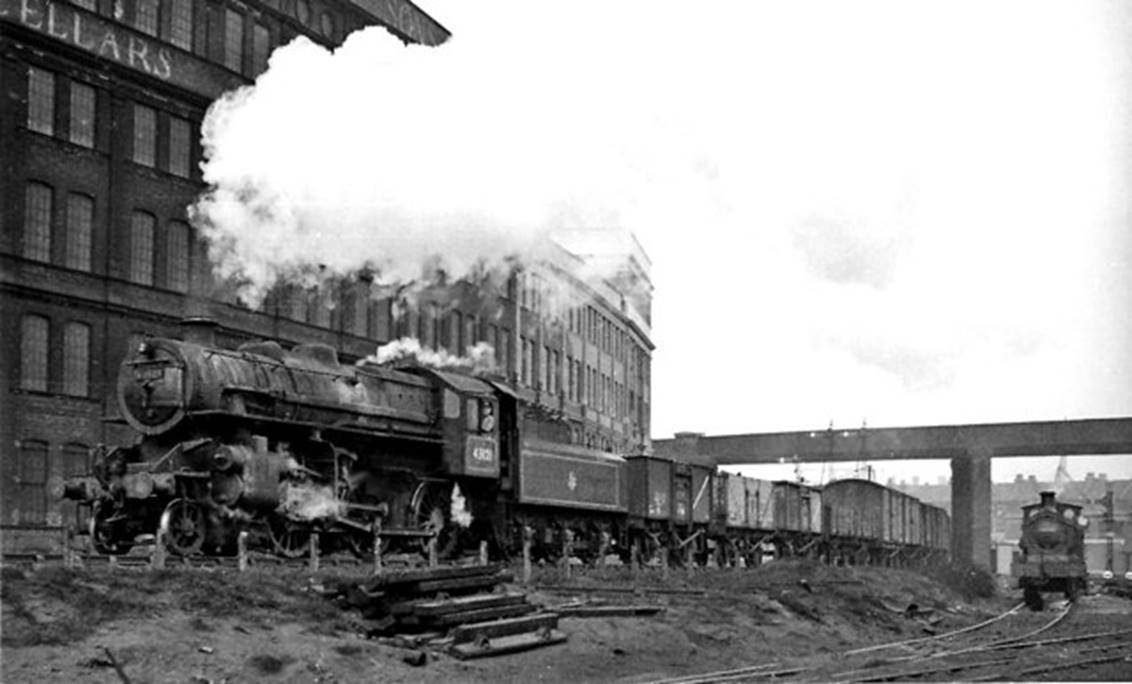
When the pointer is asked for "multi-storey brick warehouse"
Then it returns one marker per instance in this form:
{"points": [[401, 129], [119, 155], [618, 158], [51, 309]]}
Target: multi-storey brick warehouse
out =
{"points": [[99, 126]]}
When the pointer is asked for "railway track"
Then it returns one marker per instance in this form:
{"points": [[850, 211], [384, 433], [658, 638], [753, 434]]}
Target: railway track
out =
{"points": [[938, 655]]}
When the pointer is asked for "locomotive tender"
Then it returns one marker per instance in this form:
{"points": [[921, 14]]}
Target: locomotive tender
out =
{"points": [[283, 444], [1052, 547]]}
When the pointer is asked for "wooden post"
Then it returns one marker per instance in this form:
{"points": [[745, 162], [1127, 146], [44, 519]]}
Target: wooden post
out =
{"points": [[432, 560], [483, 552], [157, 559], [567, 551], [314, 552], [634, 559], [68, 552], [664, 562], [689, 561], [112, 561], [603, 549], [377, 562], [242, 550], [527, 534]]}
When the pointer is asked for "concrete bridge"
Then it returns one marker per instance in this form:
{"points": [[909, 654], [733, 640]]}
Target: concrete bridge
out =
{"points": [[970, 449]]}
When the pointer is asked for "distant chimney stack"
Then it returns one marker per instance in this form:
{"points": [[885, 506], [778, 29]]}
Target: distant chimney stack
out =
{"points": [[199, 330]]}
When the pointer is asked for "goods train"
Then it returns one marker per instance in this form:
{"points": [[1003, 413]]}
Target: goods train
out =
{"points": [[284, 444], [1052, 554]]}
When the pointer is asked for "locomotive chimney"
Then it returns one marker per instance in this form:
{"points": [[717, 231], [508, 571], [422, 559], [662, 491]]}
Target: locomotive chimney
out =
{"points": [[199, 330], [1047, 498]]}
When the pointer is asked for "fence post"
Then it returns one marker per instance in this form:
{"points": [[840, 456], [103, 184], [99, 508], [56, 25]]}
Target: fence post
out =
{"points": [[603, 549], [314, 552], [377, 562], [527, 534], [68, 553], [567, 551], [483, 552], [432, 560], [634, 559], [242, 550], [664, 562], [157, 559]]}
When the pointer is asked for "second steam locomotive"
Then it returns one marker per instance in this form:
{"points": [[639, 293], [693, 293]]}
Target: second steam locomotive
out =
{"points": [[282, 444]]}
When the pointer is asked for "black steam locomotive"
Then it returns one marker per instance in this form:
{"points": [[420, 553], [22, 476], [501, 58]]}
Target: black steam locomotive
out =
{"points": [[1052, 554], [285, 444]]}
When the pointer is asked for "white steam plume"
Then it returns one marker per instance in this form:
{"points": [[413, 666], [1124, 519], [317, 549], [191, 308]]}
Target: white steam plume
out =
{"points": [[480, 358], [310, 502], [406, 161]]}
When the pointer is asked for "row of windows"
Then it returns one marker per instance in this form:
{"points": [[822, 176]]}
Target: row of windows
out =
{"points": [[175, 135], [39, 219], [174, 21], [33, 468], [35, 344], [583, 383]]}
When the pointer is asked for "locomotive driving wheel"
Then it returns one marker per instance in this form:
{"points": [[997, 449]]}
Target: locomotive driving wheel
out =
{"points": [[183, 526], [431, 512], [290, 539], [105, 532]]}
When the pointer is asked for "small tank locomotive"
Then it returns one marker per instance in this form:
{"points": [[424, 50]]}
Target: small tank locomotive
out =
{"points": [[1052, 557]]}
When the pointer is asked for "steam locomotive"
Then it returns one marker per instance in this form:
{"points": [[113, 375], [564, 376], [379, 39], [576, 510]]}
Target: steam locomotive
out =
{"points": [[1052, 547], [284, 444]]}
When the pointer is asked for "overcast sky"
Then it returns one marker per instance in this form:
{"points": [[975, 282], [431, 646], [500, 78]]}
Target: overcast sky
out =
{"points": [[896, 213], [907, 213]]}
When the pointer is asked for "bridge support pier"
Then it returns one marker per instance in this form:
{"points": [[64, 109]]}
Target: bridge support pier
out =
{"points": [[971, 507]]}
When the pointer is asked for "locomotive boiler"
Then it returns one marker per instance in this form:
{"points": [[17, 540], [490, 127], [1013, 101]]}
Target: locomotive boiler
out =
{"points": [[1052, 550]]}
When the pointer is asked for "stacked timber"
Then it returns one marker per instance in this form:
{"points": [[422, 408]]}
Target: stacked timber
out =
{"points": [[463, 608]]}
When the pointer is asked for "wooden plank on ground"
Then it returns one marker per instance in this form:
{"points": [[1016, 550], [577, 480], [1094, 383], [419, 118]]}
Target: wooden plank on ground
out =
{"points": [[498, 628], [430, 607], [459, 583], [480, 615], [511, 643], [425, 574], [607, 611]]}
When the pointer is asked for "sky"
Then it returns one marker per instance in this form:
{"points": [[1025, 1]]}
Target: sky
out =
{"points": [[883, 213]]}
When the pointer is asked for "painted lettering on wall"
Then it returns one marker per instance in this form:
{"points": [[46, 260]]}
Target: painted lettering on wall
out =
{"points": [[90, 32]]}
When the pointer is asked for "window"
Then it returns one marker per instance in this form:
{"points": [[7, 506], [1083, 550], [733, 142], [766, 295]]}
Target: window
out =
{"points": [[33, 353], [80, 222], [76, 359], [303, 11], [177, 256], [141, 248], [38, 200], [179, 147], [181, 23], [91, 5], [75, 464], [233, 38], [261, 48], [145, 135], [32, 480], [145, 16], [41, 101], [327, 24], [81, 131]]}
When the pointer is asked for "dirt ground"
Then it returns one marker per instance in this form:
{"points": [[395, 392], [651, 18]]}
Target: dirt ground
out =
{"points": [[223, 626]]}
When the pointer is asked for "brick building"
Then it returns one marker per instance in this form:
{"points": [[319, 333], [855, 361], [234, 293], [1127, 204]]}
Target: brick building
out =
{"points": [[99, 119]]}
